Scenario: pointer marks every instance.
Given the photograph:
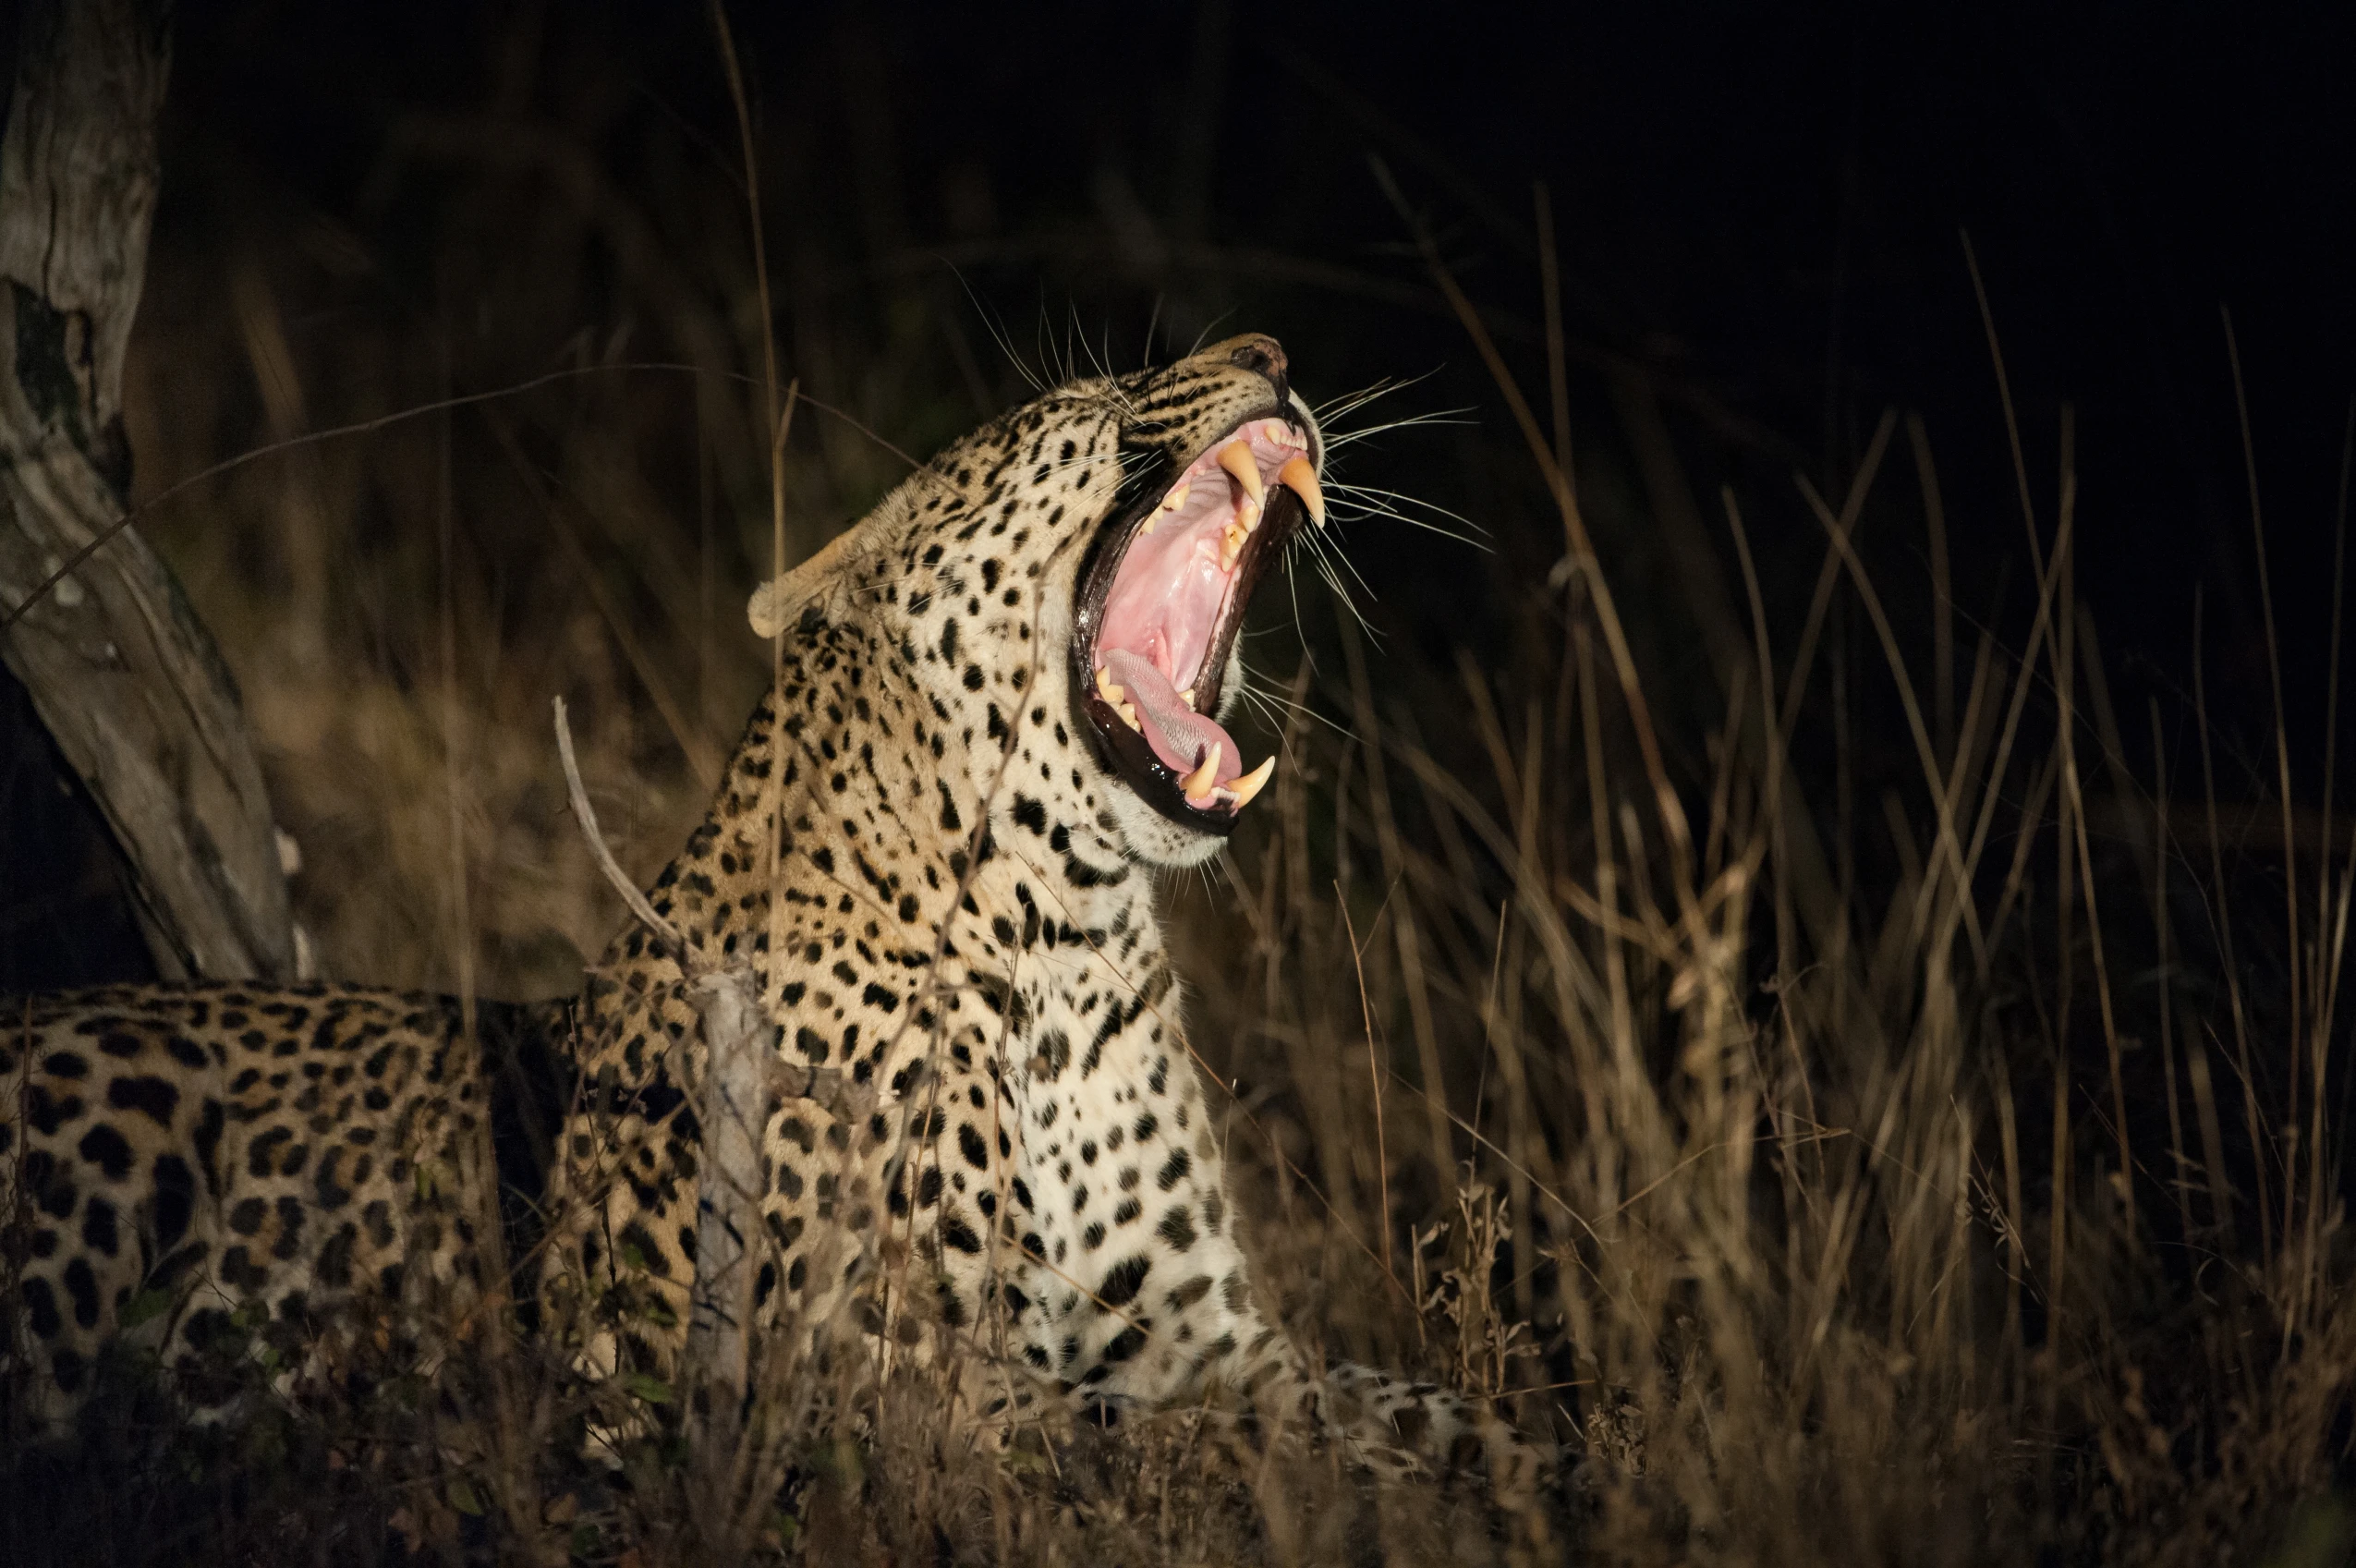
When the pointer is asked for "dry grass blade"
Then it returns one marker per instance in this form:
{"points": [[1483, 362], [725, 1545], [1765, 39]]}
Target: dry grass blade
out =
{"points": [[1672, 811]]}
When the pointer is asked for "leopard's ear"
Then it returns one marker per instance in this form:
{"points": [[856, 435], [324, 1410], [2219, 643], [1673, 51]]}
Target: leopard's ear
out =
{"points": [[775, 602]]}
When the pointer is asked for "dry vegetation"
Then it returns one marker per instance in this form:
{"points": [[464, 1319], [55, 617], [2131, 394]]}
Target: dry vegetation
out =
{"points": [[1945, 1174]]}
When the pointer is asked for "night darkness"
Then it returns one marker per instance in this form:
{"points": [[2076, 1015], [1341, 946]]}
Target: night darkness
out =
{"points": [[1763, 206], [1785, 237]]}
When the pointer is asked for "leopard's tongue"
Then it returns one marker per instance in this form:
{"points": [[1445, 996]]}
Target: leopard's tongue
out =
{"points": [[1179, 736]]}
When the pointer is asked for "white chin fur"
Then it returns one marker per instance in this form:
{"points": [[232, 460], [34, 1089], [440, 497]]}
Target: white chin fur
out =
{"points": [[1148, 835], [1145, 833]]}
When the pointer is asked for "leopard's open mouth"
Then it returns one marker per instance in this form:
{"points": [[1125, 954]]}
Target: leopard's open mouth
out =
{"points": [[1161, 599]]}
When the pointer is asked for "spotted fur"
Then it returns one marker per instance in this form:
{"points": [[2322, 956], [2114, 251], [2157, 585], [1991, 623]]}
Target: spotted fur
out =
{"points": [[946, 893], [225, 1167]]}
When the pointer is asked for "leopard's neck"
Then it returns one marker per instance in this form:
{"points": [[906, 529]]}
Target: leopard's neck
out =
{"points": [[910, 856]]}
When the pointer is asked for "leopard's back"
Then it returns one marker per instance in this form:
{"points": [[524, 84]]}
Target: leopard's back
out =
{"points": [[205, 1167]]}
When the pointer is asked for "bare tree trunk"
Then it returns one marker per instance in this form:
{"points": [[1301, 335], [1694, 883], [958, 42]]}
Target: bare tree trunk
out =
{"points": [[119, 669]]}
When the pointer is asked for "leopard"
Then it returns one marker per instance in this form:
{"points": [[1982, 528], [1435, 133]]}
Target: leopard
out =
{"points": [[995, 732]]}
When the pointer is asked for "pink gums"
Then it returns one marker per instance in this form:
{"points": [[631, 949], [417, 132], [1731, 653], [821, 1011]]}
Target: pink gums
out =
{"points": [[1169, 597]]}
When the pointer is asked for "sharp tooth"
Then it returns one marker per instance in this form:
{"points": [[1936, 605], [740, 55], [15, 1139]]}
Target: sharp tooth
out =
{"points": [[1251, 784], [1106, 689], [1128, 711], [1236, 459], [1247, 512], [1299, 477], [1196, 786], [1173, 501]]}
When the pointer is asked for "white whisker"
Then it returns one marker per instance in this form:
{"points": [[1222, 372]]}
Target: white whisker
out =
{"points": [[1265, 697], [1209, 327], [1440, 417], [1349, 505], [997, 334], [1153, 324]]}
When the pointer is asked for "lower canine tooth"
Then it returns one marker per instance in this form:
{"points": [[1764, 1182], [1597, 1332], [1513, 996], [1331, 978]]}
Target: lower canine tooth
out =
{"points": [[1251, 784], [1196, 785]]}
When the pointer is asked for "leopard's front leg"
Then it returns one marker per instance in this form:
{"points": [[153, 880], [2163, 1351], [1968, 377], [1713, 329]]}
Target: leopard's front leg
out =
{"points": [[1135, 1284], [618, 1279]]}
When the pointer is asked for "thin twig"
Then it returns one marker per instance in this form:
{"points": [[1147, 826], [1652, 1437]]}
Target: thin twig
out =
{"points": [[666, 935], [15, 613]]}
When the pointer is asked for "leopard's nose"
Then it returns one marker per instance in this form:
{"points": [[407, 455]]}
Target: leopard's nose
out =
{"points": [[1256, 352]]}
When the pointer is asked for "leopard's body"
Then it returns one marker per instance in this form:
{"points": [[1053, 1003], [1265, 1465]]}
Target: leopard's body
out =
{"points": [[944, 891], [188, 1155]]}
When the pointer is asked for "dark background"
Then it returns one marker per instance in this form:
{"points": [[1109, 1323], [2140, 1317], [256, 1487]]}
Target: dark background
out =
{"points": [[1762, 205]]}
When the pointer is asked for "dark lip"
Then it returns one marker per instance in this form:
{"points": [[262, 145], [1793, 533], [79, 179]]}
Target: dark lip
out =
{"points": [[1128, 753]]}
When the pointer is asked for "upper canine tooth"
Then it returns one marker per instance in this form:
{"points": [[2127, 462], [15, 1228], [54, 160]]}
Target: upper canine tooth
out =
{"points": [[1251, 784], [1236, 459], [1196, 786], [1299, 477]]}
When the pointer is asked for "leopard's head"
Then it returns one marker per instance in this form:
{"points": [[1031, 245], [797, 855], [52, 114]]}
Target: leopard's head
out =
{"points": [[1075, 573]]}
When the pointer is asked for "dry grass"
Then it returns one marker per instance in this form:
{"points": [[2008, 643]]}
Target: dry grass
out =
{"points": [[1848, 1161]]}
